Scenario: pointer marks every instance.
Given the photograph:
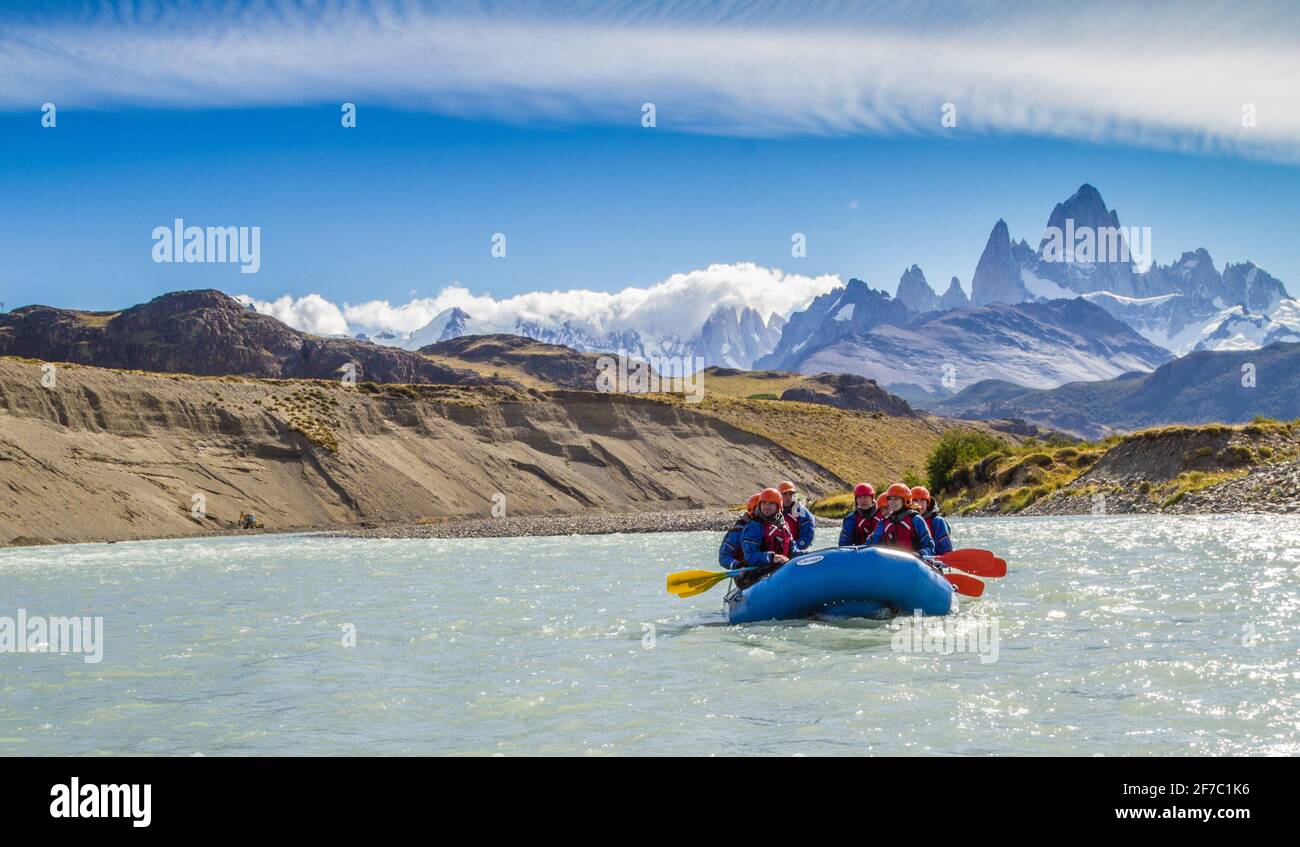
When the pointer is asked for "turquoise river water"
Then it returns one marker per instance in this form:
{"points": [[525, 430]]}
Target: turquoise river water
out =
{"points": [[1113, 636]]}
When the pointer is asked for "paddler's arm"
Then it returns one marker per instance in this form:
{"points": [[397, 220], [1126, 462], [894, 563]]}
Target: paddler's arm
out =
{"points": [[925, 544], [846, 529], [807, 527]]}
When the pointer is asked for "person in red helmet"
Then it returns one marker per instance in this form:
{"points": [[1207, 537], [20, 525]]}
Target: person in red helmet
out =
{"points": [[730, 554], [928, 509], [861, 522], [767, 542], [903, 527], [797, 517]]}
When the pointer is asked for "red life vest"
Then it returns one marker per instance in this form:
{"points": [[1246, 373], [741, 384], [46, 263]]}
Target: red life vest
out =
{"points": [[899, 532], [792, 524], [929, 523], [863, 527], [777, 537]]}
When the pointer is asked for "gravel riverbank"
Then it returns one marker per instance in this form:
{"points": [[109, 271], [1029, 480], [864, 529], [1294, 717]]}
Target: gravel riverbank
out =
{"points": [[530, 525]]}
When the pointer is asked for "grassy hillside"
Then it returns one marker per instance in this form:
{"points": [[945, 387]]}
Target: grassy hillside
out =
{"points": [[532, 364], [1150, 470], [851, 445], [767, 385]]}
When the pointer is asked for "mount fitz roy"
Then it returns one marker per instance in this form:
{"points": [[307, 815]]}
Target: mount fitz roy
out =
{"points": [[1016, 327], [1185, 306], [1128, 317]]}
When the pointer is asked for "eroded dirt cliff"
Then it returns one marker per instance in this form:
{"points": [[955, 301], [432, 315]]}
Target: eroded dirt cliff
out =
{"points": [[106, 455]]}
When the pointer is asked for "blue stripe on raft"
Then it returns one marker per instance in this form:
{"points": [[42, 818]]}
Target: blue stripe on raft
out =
{"points": [[844, 582]]}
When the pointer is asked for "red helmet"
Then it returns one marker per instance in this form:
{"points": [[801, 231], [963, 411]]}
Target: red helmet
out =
{"points": [[753, 503], [863, 489], [920, 492], [899, 490], [882, 502], [769, 495], [785, 486]]}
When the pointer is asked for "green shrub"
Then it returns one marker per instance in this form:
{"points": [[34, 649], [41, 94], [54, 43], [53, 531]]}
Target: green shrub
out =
{"points": [[988, 466], [1236, 455], [401, 391], [957, 447], [1173, 500], [763, 396]]}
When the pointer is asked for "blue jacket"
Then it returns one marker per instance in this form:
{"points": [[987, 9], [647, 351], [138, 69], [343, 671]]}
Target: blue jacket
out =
{"points": [[850, 523], [730, 552], [807, 526], [751, 541], [924, 543], [940, 533]]}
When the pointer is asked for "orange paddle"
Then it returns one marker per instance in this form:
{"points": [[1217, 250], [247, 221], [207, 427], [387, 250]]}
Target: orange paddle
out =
{"points": [[967, 586], [978, 562]]}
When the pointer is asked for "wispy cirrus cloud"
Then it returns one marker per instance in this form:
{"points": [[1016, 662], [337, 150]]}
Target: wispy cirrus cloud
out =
{"points": [[1167, 75]]}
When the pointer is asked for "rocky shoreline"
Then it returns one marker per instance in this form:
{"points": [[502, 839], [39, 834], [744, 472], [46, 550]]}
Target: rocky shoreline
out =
{"points": [[518, 526], [1266, 489], [538, 525]]}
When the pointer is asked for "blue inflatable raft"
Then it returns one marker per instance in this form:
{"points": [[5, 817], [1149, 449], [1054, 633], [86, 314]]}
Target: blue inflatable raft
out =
{"points": [[871, 582]]}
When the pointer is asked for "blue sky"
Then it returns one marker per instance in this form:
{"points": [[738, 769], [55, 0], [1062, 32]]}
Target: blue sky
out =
{"points": [[527, 139]]}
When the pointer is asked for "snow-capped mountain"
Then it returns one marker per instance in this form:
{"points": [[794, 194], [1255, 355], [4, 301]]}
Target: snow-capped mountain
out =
{"points": [[855, 309], [629, 341], [1203, 309], [1040, 344], [451, 323], [1071, 263], [730, 337], [734, 339], [1188, 305]]}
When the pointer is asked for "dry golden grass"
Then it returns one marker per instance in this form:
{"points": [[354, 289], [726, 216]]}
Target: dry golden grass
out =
{"points": [[1023, 475], [503, 370], [852, 445], [747, 384], [96, 319]]}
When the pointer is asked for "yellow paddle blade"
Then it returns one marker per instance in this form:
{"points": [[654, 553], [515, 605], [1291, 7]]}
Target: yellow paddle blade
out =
{"points": [[690, 583], [700, 589]]}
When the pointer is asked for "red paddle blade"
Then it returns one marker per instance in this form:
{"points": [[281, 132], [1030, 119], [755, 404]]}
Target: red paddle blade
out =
{"points": [[967, 586], [978, 562]]}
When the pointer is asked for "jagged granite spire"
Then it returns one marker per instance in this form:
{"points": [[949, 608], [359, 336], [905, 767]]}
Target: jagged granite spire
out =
{"points": [[915, 293], [997, 276], [954, 297]]}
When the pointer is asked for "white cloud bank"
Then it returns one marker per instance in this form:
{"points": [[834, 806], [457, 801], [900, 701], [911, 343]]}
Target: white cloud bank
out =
{"points": [[676, 306], [1172, 75]]}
